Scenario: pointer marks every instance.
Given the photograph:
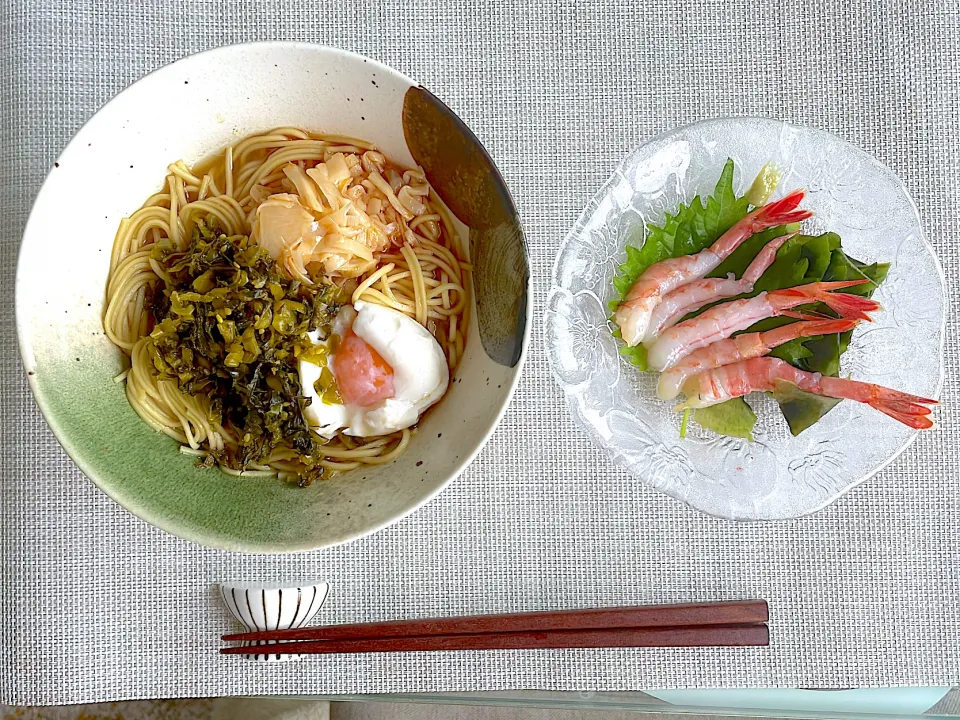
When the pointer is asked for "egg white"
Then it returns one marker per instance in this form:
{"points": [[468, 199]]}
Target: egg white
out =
{"points": [[420, 374]]}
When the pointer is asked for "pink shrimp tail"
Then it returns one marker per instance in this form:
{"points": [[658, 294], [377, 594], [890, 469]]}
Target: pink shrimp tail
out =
{"points": [[909, 409], [847, 305], [813, 328], [781, 212], [808, 315], [808, 328]]}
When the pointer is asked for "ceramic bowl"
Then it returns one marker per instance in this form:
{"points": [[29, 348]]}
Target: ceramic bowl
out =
{"points": [[188, 110]]}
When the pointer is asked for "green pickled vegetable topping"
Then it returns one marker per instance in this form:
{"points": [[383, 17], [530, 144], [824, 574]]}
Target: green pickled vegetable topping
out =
{"points": [[231, 327]]}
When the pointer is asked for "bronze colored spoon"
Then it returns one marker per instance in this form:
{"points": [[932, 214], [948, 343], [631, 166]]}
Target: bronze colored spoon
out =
{"points": [[465, 178]]}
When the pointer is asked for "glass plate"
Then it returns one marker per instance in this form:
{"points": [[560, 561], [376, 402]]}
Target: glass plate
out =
{"points": [[777, 476]]}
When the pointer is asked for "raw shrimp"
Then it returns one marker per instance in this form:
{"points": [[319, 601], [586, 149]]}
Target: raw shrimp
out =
{"points": [[766, 373], [697, 293], [742, 347], [633, 315], [724, 320]]}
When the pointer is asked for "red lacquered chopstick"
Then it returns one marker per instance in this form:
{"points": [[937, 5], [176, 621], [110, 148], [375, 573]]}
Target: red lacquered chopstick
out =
{"points": [[693, 636], [738, 612]]}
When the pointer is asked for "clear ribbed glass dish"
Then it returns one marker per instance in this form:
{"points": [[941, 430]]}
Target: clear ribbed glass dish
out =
{"points": [[777, 476]]}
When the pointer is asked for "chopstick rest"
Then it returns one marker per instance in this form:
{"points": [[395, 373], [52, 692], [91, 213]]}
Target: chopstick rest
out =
{"points": [[262, 608]]}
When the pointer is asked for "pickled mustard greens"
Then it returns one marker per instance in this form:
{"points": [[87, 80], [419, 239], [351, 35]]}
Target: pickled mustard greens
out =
{"points": [[802, 259], [231, 326]]}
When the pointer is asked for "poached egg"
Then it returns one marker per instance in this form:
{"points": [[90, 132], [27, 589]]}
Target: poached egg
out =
{"points": [[379, 370]]}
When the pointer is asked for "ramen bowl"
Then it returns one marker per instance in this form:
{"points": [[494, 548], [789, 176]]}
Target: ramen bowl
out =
{"points": [[196, 106]]}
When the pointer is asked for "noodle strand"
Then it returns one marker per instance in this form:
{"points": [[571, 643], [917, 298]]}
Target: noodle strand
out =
{"points": [[422, 275]]}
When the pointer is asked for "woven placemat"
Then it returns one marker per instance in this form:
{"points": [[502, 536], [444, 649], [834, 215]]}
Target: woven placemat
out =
{"points": [[98, 605]]}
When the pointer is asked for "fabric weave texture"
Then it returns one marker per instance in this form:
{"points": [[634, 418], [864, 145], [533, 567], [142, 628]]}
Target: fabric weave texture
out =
{"points": [[97, 605]]}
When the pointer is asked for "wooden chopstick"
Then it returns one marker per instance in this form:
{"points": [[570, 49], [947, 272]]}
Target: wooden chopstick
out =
{"points": [[740, 612], [690, 636]]}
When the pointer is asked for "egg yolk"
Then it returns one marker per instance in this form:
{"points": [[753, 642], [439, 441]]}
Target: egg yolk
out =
{"points": [[363, 377]]}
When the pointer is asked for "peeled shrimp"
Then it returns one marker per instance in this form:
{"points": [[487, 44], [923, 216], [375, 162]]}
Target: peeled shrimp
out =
{"points": [[742, 347], [633, 314], [766, 373], [724, 320], [697, 293]]}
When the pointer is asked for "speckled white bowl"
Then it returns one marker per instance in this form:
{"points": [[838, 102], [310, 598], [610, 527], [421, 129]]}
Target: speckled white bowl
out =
{"points": [[188, 110]]}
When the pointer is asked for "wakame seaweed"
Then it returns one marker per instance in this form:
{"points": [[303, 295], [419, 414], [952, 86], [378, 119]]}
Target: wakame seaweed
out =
{"points": [[229, 326]]}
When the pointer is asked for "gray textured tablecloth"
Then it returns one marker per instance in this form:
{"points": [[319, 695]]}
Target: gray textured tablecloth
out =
{"points": [[97, 604]]}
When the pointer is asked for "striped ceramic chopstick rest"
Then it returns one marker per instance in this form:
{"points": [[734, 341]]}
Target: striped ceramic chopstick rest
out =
{"points": [[273, 608]]}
